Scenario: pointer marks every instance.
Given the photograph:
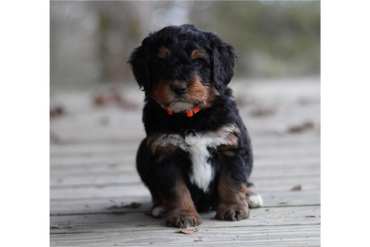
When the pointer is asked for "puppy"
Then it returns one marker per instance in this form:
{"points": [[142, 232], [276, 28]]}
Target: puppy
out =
{"points": [[197, 155]]}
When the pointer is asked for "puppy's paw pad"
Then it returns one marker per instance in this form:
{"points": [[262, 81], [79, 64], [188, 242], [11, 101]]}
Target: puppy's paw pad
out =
{"points": [[255, 201], [183, 221], [232, 212]]}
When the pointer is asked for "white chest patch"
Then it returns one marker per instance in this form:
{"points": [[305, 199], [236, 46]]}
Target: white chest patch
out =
{"points": [[202, 173], [197, 145]]}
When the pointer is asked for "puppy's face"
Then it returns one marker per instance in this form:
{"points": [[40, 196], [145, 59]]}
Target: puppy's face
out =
{"points": [[182, 68], [182, 77]]}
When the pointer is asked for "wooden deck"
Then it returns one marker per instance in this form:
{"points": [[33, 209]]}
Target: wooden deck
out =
{"points": [[92, 157]]}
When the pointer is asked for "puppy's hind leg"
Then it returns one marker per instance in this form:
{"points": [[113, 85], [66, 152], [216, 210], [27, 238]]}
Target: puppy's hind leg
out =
{"points": [[144, 170]]}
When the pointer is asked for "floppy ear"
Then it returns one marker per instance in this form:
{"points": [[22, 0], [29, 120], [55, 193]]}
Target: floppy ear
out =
{"points": [[139, 60], [224, 57]]}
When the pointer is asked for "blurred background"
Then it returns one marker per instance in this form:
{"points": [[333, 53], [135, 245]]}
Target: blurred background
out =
{"points": [[90, 41]]}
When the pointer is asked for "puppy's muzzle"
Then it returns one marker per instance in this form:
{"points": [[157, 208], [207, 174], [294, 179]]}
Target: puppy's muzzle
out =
{"points": [[180, 89]]}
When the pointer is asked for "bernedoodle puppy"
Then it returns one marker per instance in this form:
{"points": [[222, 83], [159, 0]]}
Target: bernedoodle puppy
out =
{"points": [[197, 155]]}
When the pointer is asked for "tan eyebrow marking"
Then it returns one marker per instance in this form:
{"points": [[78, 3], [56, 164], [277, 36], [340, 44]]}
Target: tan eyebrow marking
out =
{"points": [[196, 54], [163, 52]]}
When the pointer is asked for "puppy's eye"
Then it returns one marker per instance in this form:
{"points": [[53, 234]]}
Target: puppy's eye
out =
{"points": [[197, 63]]}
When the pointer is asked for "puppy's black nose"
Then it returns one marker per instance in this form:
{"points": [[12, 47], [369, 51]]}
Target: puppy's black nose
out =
{"points": [[179, 89]]}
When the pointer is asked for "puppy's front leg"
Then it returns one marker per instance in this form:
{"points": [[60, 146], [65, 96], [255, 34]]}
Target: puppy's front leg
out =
{"points": [[232, 204], [180, 207], [176, 197]]}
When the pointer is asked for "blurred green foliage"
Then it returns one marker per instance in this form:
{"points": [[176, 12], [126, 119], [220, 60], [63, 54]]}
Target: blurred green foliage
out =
{"points": [[92, 40], [285, 34]]}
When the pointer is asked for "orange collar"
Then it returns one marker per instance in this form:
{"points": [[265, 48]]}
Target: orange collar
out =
{"points": [[189, 113]]}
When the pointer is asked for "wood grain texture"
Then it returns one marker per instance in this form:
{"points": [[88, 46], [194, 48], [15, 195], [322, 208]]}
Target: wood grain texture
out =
{"points": [[278, 225]]}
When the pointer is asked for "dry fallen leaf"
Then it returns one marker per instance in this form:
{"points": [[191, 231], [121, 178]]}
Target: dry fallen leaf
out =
{"points": [[61, 226], [262, 111], [56, 111], [122, 205], [133, 205], [301, 127], [188, 230], [297, 187], [113, 98], [199, 239], [117, 206], [283, 202]]}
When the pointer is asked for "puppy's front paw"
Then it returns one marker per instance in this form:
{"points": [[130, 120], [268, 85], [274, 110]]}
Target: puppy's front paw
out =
{"points": [[232, 212], [183, 219]]}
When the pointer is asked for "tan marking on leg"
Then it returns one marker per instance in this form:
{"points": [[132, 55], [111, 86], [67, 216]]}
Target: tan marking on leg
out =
{"points": [[180, 208], [232, 203]]}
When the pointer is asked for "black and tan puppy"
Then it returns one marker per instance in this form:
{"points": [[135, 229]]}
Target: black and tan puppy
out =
{"points": [[197, 155]]}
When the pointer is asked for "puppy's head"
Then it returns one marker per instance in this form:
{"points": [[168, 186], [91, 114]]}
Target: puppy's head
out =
{"points": [[183, 67]]}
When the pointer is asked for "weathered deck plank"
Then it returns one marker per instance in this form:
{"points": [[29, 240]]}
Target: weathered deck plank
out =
{"points": [[259, 217], [101, 204], [306, 235], [299, 225]]}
